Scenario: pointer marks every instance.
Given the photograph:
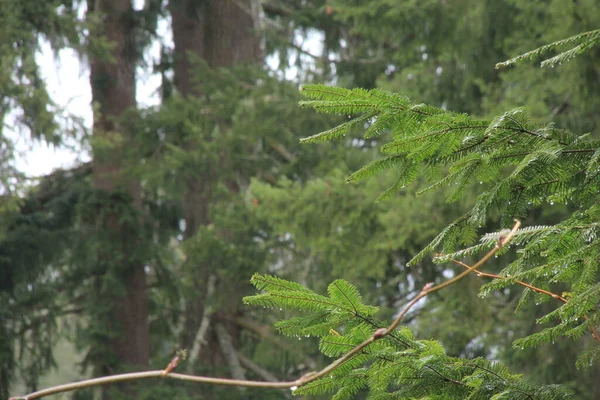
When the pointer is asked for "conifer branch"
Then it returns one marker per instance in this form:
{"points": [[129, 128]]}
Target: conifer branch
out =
{"points": [[527, 285], [558, 297], [303, 380], [429, 288], [587, 39], [442, 376]]}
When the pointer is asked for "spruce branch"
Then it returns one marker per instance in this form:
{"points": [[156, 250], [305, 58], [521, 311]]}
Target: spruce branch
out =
{"points": [[587, 41], [303, 380], [429, 288], [531, 287]]}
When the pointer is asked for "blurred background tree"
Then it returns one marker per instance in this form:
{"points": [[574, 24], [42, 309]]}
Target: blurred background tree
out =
{"points": [[149, 247]]}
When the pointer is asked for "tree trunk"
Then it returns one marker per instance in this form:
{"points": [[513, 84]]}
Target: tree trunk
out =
{"points": [[113, 92], [223, 33]]}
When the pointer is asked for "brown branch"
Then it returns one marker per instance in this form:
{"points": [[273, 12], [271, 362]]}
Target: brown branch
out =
{"points": [[265, 332], [303, 380], [282, 150], [593, 330], [527, 285], [260, 371], [270, 7], [444, 377], [504, 239]]}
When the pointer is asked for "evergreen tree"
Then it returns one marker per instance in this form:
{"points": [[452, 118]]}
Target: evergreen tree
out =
{"points": [[26, 112], [444, 57], [221, 34], [71, 238], [122, 330], [182, 142], [546, 165]]}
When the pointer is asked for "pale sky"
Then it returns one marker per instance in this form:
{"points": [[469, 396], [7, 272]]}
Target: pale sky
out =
{"points": [[67, 81]]}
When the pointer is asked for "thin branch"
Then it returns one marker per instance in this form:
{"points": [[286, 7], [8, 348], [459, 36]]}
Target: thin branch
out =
{"points": [[303, 380], [265, 332], [527, 285], [200, 338], [444, 377], [282, 150], [301, 50], [593, 330], [277, 9], [430, 288], [260, 371]]}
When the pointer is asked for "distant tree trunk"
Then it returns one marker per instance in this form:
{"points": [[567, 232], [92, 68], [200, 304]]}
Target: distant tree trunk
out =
{"points": [[596, 390], [113, 92], [223, 33]]}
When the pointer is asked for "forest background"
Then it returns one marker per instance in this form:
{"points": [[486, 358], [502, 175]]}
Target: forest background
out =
{"points": [[116, 263]]}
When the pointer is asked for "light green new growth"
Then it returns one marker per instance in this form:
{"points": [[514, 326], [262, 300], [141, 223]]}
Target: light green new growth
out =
{"points": [[395, 367], [586, 41], [519, 164]]}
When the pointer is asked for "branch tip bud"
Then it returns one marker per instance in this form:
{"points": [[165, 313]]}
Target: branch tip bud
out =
{"points": [[172, 365], [379, 333]]}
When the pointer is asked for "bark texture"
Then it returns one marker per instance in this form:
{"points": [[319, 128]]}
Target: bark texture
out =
{"points": [[113, 91], [223, 33]]}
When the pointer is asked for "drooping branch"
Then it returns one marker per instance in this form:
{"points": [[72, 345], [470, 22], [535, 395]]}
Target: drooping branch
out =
{"points": [[303, 380]]}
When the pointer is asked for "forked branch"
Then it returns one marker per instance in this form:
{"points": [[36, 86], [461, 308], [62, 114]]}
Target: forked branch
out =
{"points": [[536, 289]]}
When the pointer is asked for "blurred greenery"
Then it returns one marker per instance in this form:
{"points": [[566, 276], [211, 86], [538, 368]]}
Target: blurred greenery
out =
{"points": [[276, 206]]}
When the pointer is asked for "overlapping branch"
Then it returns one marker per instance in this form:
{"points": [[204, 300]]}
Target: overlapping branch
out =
{"points": [[303, 380], [536, 289]]}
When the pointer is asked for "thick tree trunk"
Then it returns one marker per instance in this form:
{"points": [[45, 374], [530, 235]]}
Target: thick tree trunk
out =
{"points": [[113, 91], [223, 33], [596, 390]]}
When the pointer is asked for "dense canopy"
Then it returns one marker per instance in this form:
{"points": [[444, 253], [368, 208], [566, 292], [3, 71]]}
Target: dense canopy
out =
{"points": [[354, 168]]}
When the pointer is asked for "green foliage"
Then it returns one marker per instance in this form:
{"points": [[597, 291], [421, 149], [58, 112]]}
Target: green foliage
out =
{"points": [[34, 235], [22, 25], [317, 224], [586, 41], [549, 165], [395, 367], [49, 270], [246, 128], [520, 164]]}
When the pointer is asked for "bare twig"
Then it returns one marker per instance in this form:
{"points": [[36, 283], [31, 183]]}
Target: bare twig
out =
{"points": [[303, 380], [527, 285]]}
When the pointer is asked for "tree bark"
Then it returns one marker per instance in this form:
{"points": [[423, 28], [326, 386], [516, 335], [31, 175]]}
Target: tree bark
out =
{"points": [[223, 33], [113, 92]]}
